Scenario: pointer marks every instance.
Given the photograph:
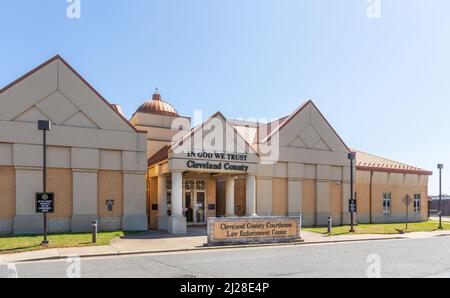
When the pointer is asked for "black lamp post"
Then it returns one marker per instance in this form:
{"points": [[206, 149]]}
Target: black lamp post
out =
{"points": [[44, 126], [352, 157], [440, 167]]}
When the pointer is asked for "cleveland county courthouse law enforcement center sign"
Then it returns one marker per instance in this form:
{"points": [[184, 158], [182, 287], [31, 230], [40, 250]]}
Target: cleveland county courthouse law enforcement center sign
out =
{"points": [[245, 230], [45, 203]]}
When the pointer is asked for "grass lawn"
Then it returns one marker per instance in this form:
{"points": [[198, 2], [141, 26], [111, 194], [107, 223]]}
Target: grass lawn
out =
{"points": [[382, 228], [13, 244]]}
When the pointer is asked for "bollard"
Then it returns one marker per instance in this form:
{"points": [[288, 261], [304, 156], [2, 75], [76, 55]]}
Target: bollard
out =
{"points": [[330, 225], [94, 231]]}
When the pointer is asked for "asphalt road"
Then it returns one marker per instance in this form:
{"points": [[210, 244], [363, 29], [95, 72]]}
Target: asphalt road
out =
{"points": [[392, 258]]}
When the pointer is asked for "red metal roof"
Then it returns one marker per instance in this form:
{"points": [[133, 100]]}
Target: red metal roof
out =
{"points": [[369, 162], [159, 156]]}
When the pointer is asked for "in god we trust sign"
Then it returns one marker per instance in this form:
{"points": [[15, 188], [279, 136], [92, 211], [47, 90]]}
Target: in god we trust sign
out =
{"points": [[45, 203]]}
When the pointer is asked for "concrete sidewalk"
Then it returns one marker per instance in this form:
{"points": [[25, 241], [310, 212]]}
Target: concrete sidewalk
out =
{"points": [[444, 218], [159, 242]]}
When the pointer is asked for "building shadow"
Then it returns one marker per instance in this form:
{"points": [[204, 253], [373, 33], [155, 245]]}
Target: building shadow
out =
{"points": [[194, 231]]}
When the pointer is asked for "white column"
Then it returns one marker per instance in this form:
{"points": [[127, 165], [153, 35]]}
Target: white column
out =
{"points": [[84, 191], [134, 201], [177, 222], [28, 183], [295, 197], [162, 203], [251, 195], [177, 194], [323, 202], [230, 196]]}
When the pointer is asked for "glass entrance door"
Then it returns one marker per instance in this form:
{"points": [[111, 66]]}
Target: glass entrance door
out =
{"points": [[200, 218], [189, 207], [195, 207]]}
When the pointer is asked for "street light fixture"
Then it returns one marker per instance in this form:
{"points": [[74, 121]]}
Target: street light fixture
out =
{"points": [[440, 167], [44, 126], [352, 156]]}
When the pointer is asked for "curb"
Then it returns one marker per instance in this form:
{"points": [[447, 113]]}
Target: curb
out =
{"points": [[204, 248]]}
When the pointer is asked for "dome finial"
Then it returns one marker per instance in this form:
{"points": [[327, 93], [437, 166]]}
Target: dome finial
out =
{"points": [[156, 95]]}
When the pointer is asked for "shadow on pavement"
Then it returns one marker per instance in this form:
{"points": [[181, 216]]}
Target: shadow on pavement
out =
{"points": [[153, 234]]}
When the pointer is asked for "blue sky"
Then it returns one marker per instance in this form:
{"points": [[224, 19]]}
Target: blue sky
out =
{"points": [[382, 83]]}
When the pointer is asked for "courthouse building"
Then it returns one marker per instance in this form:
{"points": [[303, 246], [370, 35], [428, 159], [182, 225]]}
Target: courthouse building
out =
{"points": [[308, 174], [161, 173]]}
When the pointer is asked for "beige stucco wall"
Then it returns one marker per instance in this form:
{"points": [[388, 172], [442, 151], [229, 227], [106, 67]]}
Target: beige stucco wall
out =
{"points": [[336, 201], [159, 129], [85, 192]]}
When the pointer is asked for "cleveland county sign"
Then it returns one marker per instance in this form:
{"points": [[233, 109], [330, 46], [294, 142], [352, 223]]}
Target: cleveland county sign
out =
{"points": [[244, 230], [45, 203], [218, 161]]}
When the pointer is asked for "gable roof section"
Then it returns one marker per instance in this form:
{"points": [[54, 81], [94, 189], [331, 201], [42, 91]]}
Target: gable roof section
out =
{"points": [[285, 121], [369, 162], [216, 115], [59, 59]]}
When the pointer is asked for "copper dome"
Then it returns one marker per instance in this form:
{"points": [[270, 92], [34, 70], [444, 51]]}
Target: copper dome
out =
{"points": [[157, 106]]}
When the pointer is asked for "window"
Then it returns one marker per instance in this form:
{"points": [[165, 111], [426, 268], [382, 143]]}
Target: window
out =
{"points": [[200, 185], [169, 183], [189, 184], [169, 203], [417, 201], [387, 203]]}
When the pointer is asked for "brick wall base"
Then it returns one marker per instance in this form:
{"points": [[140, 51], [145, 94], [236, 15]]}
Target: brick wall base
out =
{"points": [[308, 220], [109, 224], [59, 226]]}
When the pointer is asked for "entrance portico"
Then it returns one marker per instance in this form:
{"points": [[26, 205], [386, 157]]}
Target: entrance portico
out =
{"points": [[194, 197], [189, 198], [186, 198]]}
